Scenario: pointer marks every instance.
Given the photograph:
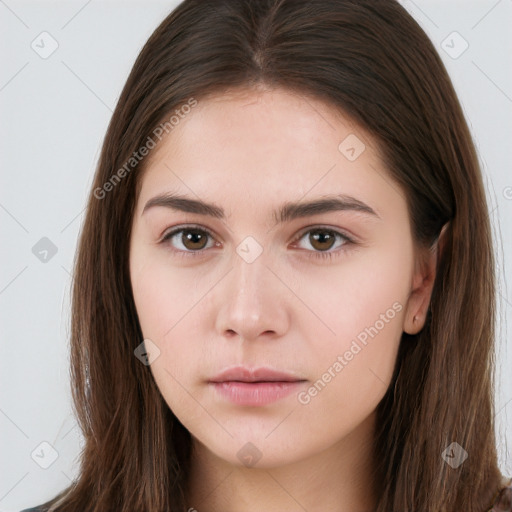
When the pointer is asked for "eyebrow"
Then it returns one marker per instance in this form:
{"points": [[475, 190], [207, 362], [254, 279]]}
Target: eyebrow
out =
{"points": [[287, 212]]}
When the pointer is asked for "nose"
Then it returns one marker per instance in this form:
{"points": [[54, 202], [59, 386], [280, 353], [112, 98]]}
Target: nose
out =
{"points": [[252, 302]]}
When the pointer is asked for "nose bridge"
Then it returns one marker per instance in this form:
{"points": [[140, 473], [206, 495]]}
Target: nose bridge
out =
{"points": [[252, 303], [250, 270], [248, 294]]}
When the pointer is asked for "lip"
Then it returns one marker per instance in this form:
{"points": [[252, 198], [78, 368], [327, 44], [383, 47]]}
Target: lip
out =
{"points": [[254, 387], [262, 374]]}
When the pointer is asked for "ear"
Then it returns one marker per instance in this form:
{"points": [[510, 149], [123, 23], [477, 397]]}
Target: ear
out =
{"points": [[425, 271]]}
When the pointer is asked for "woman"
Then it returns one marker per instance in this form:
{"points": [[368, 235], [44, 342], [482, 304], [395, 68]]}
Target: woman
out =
{"points": [[284, 293]]}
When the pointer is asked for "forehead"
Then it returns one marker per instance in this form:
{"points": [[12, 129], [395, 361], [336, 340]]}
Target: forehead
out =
{"points": [[264, 145]]}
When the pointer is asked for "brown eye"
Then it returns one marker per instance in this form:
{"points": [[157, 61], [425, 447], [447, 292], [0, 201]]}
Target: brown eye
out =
{"points": [[324, 242], [187, 239]]}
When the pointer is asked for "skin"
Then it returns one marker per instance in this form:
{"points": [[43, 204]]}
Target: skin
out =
{"points": [[249, 152]]}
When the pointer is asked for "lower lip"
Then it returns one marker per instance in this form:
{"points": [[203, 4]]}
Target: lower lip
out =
{"points": [[255, 393]]}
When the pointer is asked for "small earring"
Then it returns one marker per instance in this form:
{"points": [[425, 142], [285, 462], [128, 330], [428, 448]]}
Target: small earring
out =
{"points": [[415, 319]]}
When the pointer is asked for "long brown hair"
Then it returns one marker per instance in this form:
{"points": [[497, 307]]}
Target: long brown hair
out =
{"points": [[373, 62]]}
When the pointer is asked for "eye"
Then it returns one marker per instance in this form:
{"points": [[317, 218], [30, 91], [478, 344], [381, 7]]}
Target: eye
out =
{"points": [[323, 239], [188, 239]]}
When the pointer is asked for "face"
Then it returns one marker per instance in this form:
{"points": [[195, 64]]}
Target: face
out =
{"points": [[309, 301]]}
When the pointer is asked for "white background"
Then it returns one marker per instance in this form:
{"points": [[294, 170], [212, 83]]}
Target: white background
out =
{"points": [[54, 113]]}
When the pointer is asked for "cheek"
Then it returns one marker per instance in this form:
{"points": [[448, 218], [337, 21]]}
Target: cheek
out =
{"points": [[165, 311], [168, 302], [354, 295], [352, 370], [162, 294], [363, 305]]}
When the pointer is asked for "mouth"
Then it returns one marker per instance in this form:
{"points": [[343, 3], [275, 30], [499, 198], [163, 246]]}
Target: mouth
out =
{"points": [[261, 386]]}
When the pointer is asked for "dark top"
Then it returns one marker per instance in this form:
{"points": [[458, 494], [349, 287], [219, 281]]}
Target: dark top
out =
{"points": [[502, 502]]}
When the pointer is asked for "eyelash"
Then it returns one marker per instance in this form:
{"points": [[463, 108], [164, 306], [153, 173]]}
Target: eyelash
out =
{"points": [[324, 255]]}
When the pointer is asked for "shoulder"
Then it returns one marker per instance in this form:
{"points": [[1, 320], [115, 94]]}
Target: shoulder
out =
{"points": [[34, 509]]}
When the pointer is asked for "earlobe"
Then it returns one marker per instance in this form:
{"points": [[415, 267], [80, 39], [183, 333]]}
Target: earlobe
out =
{"points": [[415, 325], [423, 284]]}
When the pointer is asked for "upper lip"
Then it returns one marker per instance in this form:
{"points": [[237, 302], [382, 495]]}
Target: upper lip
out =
{"points": [[244, 374]]}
